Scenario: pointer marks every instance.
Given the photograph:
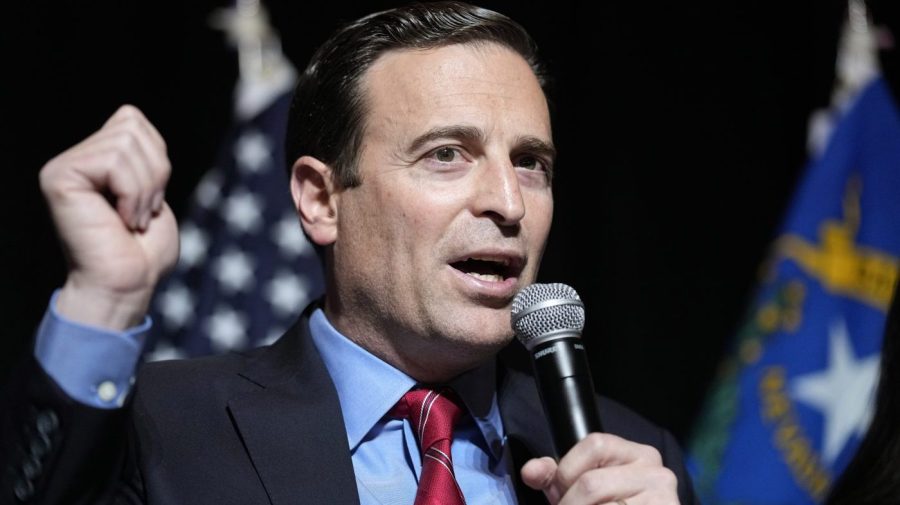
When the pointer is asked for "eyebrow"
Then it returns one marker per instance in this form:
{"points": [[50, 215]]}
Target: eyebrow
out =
{"points": [[468, 134], [537, 146], [471, 134]]}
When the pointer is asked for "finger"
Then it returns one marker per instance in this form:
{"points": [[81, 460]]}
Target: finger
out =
{"points": [[632, 483], [127, 147], [155, 170], [538, 474], [131, 164], [134, 131], [160, 240], [130, 118], [159, 170], [128, 189], [152, 164], [130, 113], [109, 171], [601, 450]]}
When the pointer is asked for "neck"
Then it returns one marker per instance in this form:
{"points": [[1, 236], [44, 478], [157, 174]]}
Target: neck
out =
{"points": [[427, 359]]}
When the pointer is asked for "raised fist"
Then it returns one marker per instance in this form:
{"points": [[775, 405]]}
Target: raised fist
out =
{"points": [[106, 198]]}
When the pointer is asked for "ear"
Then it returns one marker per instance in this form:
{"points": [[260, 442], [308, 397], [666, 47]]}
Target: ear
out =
{"points": [[315, 199]]}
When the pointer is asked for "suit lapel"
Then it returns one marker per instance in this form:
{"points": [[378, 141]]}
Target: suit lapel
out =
{"points": [[294, 433], [292, 425]]}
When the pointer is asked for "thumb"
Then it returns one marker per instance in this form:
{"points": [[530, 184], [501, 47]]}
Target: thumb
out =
{"points": [[540, 474]]}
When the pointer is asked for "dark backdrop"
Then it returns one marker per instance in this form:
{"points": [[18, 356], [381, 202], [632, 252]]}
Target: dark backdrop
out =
{"points": [[681, 128]]}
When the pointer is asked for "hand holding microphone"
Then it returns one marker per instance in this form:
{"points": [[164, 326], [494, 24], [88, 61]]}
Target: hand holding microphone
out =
{"points": [[595, 467]]}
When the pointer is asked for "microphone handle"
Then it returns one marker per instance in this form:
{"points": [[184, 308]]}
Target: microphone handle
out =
{"points": [[567, 390]]}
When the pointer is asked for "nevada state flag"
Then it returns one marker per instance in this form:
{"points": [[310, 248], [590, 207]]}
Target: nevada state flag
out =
{"points": [[795, 398]]}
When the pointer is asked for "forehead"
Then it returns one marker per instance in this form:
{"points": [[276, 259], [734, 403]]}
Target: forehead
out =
{"points": [[485, 85]]}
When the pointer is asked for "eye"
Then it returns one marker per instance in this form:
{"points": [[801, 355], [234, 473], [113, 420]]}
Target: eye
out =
{"points": [[529, 162], [445, 154]]}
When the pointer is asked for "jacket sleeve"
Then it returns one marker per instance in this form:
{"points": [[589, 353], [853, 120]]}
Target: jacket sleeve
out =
{"points": [[55, 450]]}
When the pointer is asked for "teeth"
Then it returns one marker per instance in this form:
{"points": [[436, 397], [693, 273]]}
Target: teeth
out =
{"points": [[486, 277]]}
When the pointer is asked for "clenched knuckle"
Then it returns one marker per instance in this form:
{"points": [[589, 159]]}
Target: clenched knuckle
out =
{"points": [[117, 159], [128, 111], [650, 454], [165, 169], [565, 476], [666, 478], [662, 497], [589, 486], [596, 442], [127, 140], [47, 178]]}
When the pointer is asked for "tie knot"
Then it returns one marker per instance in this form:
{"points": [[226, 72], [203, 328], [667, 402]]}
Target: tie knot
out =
{"points": [[432, 412]]}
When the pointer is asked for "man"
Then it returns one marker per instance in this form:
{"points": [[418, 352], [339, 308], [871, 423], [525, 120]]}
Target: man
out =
{"points": [[422, 159]]}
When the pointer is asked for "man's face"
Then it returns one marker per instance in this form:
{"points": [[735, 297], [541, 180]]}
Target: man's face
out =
{"points": [[453, 211]]}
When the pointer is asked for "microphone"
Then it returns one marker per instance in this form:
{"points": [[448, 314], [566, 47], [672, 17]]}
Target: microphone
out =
{"points": [[548, 320]]}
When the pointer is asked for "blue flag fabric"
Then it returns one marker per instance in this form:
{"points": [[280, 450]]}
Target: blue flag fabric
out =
{"points": [[794, 399], [245, 270]]}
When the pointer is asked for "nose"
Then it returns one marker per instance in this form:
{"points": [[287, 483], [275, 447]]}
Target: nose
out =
{"points": [[498, 194]]}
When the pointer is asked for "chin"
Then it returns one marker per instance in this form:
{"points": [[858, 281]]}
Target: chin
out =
{"points": [[483, 335]]}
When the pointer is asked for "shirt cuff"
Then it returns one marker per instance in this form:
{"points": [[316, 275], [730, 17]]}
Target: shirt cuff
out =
{"points": [[94, 366]]}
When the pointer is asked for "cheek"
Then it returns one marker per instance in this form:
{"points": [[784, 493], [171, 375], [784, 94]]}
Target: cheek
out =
{"points": [[539, 215], [401, 225], [417, 215]]}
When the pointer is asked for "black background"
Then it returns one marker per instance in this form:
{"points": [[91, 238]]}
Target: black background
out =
{"points": [[681, 128]]}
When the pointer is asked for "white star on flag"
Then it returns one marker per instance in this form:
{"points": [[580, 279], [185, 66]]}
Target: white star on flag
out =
{"points": [[165, 351], [234, 270], [209, 189], [226, 329], [289, 236], [273, 335], [194, 242], [253, 152], [243, 211], [287, 293], [842, 392], [176, 304]]}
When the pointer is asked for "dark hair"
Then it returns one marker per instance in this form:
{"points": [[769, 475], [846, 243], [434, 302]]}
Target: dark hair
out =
{"points": [[873, 475], [327, 116]]}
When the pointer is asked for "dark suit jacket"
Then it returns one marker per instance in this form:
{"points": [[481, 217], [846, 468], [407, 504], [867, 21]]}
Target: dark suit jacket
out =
{"points": [[261, 427]]}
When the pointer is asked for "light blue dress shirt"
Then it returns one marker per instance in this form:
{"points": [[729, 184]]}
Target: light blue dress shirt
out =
{"points": [[383, 450], [92, 365]]}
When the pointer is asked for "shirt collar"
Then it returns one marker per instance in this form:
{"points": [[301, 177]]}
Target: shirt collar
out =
{"points": [[368, 388], [478, 390]]}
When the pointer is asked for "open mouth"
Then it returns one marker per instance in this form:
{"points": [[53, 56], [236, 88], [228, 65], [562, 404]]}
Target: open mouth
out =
{"points": [[490, 270]]}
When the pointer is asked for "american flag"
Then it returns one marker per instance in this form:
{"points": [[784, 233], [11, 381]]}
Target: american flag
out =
{"points": [[245, 270]]}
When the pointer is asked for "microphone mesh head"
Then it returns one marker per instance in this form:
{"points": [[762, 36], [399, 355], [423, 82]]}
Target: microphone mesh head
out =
{"points": [[567, 313]]}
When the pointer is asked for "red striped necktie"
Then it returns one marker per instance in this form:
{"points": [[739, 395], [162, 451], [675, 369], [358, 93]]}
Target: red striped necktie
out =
{"points": [[433, 413]]}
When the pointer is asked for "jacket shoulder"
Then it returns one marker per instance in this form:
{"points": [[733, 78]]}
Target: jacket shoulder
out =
{"points": [[194, 382]]}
